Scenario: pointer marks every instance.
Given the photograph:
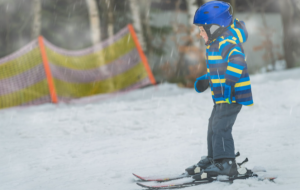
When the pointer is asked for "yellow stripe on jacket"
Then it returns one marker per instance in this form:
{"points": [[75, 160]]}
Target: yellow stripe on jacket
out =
{"points": [[218, 80], [214, 57], [234, 70], [240, 84], [234, 50], [224, 41]]}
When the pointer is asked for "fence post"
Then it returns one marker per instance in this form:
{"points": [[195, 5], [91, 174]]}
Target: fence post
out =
{"points": [[142, 55], [47, 71]]}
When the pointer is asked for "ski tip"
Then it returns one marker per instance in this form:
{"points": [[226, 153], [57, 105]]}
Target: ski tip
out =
{"points": [[158, 186], [142, 185], [139, 177], [270, 177]]}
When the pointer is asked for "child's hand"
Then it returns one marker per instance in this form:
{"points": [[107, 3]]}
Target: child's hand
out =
{"points": [[201, 83]]}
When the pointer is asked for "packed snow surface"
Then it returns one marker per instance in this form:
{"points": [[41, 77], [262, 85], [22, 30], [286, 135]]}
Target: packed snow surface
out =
{"points": [[152, 131]]}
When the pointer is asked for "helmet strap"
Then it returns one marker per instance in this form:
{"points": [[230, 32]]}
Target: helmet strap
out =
{"points": [[208, 42], [213, 31]]}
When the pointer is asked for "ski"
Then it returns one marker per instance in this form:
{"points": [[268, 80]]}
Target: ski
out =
{"points": [[186, 180], [180, 183], [199, 179], [162, 178]]}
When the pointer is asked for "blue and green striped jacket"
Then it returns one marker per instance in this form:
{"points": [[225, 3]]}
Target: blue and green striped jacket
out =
{"points": [[226, 64]]}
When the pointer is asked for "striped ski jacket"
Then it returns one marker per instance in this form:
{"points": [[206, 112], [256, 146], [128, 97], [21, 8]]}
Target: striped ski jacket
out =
{"points": [[226, 65]]}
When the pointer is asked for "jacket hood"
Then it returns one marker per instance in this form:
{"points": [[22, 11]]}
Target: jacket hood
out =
{"points": [[238, 30]]}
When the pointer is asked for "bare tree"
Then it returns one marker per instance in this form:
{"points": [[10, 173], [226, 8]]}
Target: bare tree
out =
{"points": [[267, 32], [145, 7], [188, 46], [177, 29], [110, 13], [36, 25], [232, 2], [290, 14], [192, 7], [135, 9], [205, 1], [109, 6], [95, 28], [94, 20]]}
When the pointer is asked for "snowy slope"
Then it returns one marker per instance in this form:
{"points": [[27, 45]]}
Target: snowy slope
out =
{"points": [[155, 130]]}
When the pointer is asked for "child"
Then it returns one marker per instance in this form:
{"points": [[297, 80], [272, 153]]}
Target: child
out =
{"points": [[228, 80]]}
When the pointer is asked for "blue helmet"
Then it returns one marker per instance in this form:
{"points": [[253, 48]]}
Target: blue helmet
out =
{"points": [[214, 16]]}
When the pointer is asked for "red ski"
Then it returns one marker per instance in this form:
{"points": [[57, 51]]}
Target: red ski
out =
{"points": [[162, 178]]}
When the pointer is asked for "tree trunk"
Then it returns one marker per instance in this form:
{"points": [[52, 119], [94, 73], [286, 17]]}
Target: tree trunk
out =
{"points": [[95, 29], [110, 23], [192, 7], [179, 71], [110, 13], [290, 14], [205, 1], [232, 2], [36, 25], [145, 20], [135, 9], [94, 21], [269, 46]]}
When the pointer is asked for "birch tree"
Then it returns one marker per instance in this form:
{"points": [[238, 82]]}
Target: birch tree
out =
{"points": [[110, 22], [135, 10], [145, 22], [95, 29], [36, 25], [110, 13], [94, 21]]}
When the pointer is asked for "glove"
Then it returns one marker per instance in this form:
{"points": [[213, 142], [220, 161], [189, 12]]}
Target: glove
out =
{"points": [[201, 83], [227, 93]]}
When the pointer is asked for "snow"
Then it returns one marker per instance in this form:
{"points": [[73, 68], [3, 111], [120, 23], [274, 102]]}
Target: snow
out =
{"points": [[156, 130]]}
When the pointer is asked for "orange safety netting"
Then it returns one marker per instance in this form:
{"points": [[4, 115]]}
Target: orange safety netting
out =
{"points": [[42, 73]]}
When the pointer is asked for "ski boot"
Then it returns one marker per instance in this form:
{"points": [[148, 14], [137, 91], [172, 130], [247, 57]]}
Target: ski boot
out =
{"points": [[202, 164], [225, 166]]}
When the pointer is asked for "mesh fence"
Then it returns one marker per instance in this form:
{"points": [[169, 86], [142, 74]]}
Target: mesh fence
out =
{"points": [[22, 78], [112, 66]]}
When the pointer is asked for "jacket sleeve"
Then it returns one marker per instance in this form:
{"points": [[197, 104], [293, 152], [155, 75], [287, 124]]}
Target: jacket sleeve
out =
{"points": [[203, 77], [235, 57]]}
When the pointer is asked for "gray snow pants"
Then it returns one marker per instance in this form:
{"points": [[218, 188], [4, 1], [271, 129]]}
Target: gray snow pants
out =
{"points": [[219, 138]]}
